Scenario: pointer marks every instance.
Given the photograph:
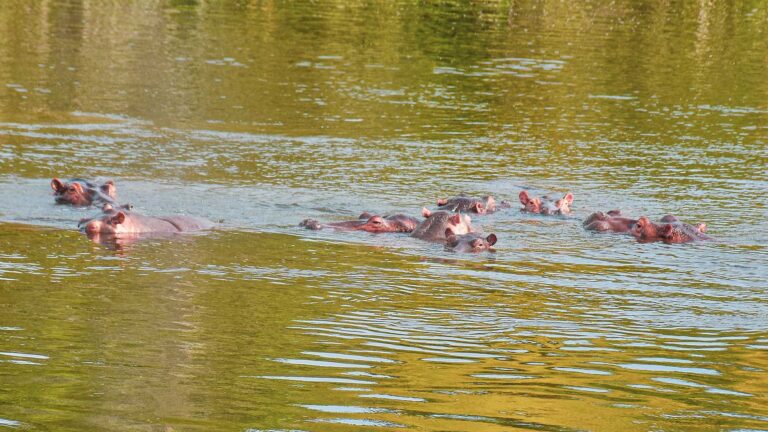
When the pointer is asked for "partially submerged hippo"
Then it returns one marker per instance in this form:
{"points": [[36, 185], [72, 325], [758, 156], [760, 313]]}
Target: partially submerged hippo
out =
{"points": [[669, 231], [484, 205], [546, 205], [435, 224], [368, 222], [81, 192], [471, 242], [121, 221], [613, 221]]}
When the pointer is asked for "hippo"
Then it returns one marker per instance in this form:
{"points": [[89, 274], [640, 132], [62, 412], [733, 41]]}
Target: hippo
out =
{"points": [[613, 221], [465, 204], [471, 242], [81, 192], [669, 231], [546, 205], [435, 224], [118, 221], [368, 222]]}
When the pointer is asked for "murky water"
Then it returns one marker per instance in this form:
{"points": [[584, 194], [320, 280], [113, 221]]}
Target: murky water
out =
{"points": [[261, 114]]}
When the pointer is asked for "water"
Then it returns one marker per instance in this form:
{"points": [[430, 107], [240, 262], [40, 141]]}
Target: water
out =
{"points": [[261, 114]]}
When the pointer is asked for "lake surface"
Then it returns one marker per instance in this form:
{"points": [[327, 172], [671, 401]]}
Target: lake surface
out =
{"points": [[260, 114]]}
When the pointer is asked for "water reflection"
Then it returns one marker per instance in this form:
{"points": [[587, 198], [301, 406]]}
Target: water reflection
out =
{"points": [[262, 113]]}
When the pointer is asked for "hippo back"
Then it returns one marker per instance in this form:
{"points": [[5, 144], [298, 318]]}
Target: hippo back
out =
{"points": [[433, 227], [683, 233], [188, 223]]}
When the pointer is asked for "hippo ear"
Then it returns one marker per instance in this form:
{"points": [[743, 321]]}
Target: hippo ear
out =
{"points": [[365, 215], [702, 227], [108, 188], [57, 185], [491, 239], [425, 212], [524, 198], [76, 186], [455, 218], [479, 207], [118, 218], [615, 212], [449, 233], [666, 231], [442, 202], [568, 198]]}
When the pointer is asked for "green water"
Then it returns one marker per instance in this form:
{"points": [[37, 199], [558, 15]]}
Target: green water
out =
{"points": [[261, 114]]}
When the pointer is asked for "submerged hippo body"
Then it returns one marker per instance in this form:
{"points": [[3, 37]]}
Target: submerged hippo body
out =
{"points": [[120, 221], [546, 205], [81, 192], [471, 242], [435, 224], [611, 221], [669, 232], [484, 205], [369, 223]]}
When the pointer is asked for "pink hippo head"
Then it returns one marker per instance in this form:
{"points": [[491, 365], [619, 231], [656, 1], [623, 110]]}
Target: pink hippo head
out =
{"points": [[486, 204], [82, 193], [70, 193], [669, 232], [546, 205], [471, 242], [112, 222], [385, 224]]}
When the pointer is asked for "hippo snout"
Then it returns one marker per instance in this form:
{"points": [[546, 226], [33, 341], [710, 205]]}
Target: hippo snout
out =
{"points": [[93, 227]]}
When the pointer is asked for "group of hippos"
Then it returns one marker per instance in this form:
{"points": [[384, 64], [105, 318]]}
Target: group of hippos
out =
{"points": [[449, 224]]}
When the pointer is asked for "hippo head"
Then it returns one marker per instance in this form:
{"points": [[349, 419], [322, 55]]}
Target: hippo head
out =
{"points": [[531, 205], [563, 205], [469, 242], [375, 224], [110, 223], [546, 205], [645, 230], [402, 223], [595, 217], [479, 207], [71, 193], [378, 224]]}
